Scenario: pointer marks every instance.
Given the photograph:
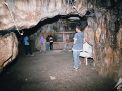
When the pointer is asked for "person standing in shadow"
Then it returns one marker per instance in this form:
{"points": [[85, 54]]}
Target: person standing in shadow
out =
{"points": [[42, 43], [47, 43], [51, 42], [26, 43]]}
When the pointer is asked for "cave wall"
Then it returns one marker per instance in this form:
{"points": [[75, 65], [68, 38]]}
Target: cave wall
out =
{"points": [[8, 49], [104, 22], [108, 37]]}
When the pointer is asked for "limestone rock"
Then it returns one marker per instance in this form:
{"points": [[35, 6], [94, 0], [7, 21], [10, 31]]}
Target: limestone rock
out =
{"points": [[8, 49], [27, 13]]}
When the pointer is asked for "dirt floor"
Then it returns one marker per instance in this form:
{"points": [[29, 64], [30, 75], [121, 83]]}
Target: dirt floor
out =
{"points": [[51, 71]]}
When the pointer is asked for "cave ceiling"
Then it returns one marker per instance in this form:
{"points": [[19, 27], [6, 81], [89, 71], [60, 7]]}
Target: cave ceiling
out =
{"points": [[27, 13]]}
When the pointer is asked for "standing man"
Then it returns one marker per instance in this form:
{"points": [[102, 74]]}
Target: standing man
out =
{"points": [[27, 47], [43, 43], [51, 42], [47, 43], [77, 47]]}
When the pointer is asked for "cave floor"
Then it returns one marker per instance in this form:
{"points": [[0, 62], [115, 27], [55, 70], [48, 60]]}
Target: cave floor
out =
{"points": [[51, 71]]}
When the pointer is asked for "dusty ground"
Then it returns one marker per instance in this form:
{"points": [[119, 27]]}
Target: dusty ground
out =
{"points": [[51, 71]]}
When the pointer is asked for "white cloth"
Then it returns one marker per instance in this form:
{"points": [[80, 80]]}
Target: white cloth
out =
{"points": [[87, 50]]}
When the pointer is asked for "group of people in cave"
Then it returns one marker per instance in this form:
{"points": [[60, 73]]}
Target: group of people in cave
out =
{"points": [[47, 44]]}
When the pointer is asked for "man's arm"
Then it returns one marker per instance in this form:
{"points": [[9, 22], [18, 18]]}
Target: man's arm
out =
{"points": [[75, 39]]}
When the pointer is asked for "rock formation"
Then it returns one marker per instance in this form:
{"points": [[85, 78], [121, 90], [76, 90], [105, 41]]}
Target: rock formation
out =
{"points": [[8, 49], [28, 13]]}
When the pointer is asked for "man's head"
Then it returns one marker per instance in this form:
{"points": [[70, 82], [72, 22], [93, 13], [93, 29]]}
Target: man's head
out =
{"points": [[78, 28]]}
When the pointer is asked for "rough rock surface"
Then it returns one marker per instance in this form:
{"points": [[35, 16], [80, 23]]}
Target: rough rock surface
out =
{"points": [[29, 12], [8, 49]]}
